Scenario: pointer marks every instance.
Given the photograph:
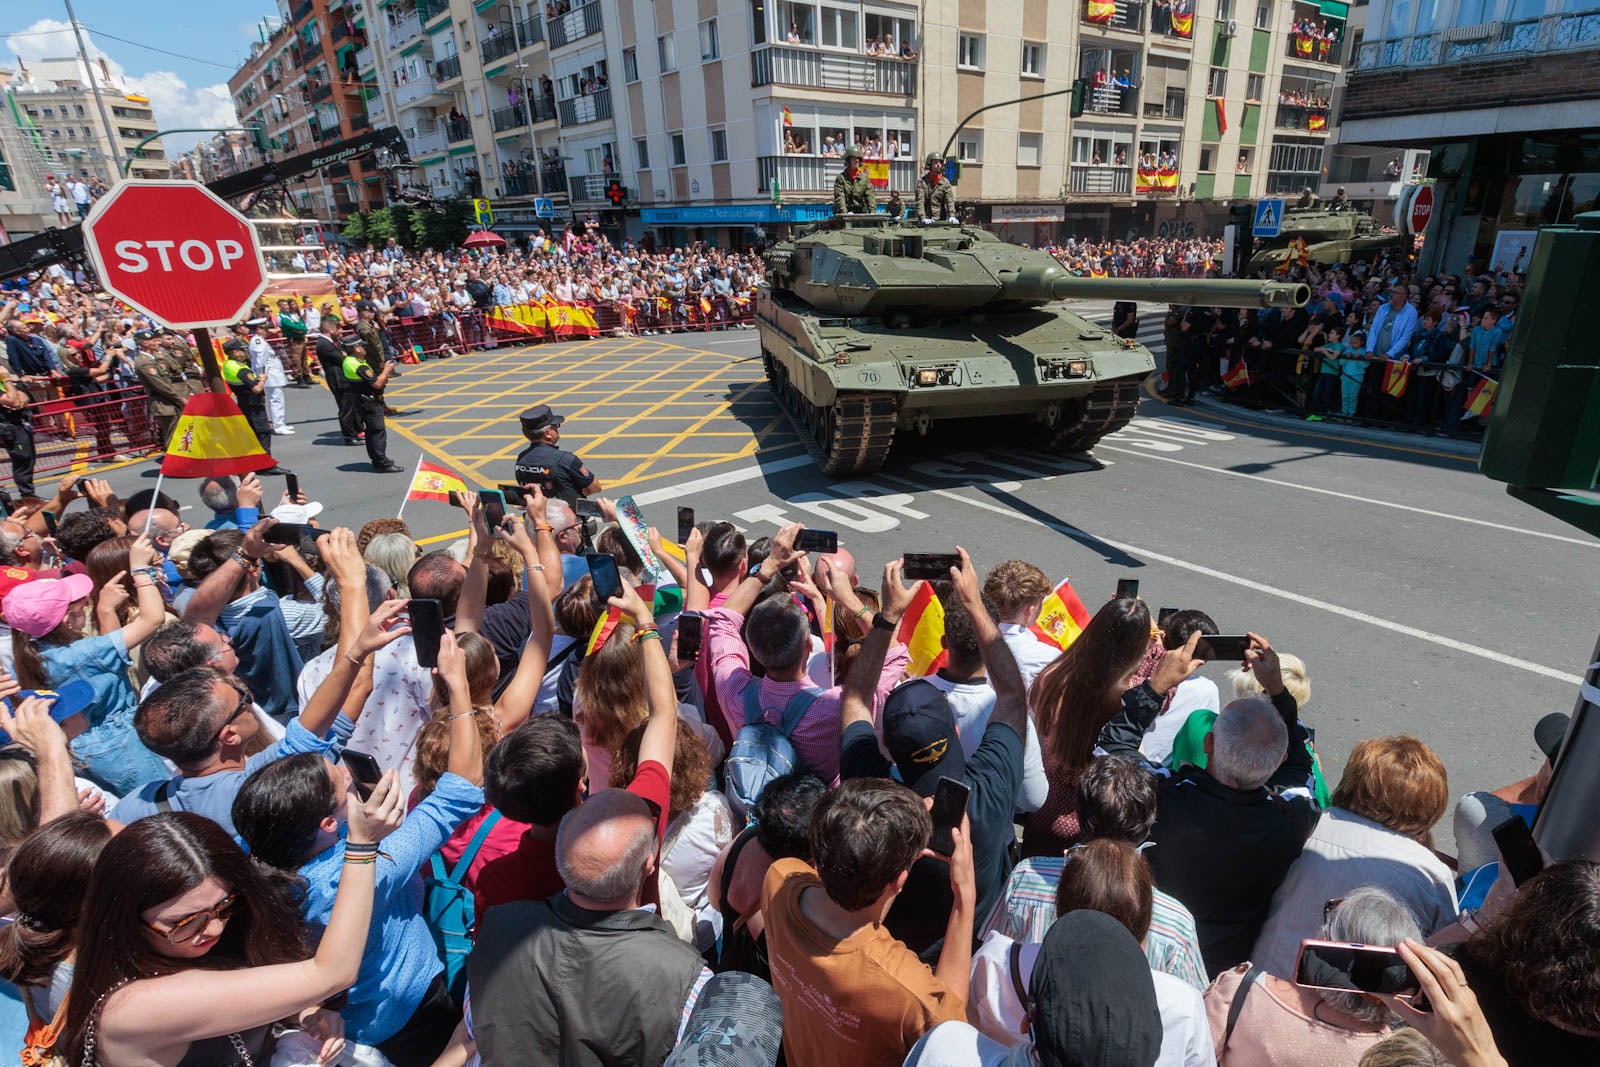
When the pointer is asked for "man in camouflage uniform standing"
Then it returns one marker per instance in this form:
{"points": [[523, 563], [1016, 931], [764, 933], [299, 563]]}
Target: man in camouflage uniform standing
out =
{"points": [[936, 197], [165, 367], [852, 192]]}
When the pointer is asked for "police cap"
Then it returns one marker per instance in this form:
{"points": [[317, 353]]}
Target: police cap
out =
{"points": [[539, 417], [234, 345]]}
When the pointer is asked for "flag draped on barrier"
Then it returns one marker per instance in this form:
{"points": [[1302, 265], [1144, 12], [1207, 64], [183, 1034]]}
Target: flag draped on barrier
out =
{"points": [[1101, 10], [1396, 376]]}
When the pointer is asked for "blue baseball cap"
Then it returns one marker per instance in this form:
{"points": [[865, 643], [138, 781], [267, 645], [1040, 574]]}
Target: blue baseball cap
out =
{"points": [[72, 698]]}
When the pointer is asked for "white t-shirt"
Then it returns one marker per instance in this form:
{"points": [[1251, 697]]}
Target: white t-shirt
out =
{"points": [[972, 703], [1194, 693], [1032, 654]]}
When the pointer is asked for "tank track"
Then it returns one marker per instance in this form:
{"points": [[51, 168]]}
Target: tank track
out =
{"points": [[851, 437], [1106, 410]]}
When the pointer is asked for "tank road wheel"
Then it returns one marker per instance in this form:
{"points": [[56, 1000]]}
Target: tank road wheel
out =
{"points": [[1106, 410]]}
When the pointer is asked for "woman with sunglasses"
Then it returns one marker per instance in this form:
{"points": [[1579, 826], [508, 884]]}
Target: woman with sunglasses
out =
{"points": [[196, 951]]}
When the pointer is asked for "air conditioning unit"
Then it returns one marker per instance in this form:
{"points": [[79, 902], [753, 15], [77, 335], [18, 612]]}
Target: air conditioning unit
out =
{"points": [[1230, 28]]}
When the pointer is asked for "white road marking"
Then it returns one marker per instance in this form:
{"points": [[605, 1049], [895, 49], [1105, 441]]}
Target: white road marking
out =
{"points": [[714, 481], [1585, 542], [1247, 583]]}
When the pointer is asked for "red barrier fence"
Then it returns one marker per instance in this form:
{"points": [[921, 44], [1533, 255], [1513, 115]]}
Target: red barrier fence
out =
{"points": [[70, 432]]}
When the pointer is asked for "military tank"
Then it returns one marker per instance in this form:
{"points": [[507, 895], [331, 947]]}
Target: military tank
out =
{"points": [[872, 326], [1342, 236]]}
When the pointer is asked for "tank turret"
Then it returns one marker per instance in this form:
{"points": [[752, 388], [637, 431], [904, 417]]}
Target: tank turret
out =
{"points": [[1332, 234], [871, 326]]}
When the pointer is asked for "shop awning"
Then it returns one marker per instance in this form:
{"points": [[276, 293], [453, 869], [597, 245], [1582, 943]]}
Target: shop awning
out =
{"points": [[1334, 10]]}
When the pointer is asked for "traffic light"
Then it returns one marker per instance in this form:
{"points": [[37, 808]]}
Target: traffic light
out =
{"points": [[1080, 89], [616, 193]]}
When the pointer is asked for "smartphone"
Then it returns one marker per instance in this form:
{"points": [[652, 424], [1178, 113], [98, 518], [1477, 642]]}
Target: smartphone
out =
{"points": [[1346, 966], [603, 569], [587, 509], [689, 626], [1517, 849], [286, 533], [933, 566], [494, 508], [427, 627], [1163, 615], [949, 804], [50, 522], [1217, 649], [824, 541], [291, 482], [685, 524], [514, 494], [458, 499], [1127, 589], [364, 772], [79, 486]]}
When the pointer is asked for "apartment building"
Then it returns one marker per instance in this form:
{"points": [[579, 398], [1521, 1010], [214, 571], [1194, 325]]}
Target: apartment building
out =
{"points": [[218, 156], [1504, 97]]}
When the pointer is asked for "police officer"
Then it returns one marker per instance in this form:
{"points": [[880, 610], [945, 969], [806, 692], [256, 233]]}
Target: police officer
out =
{"points": [[249, 392], [543, 464], [330, 356], [167, 372], [16, 432], [852, 192], [936, 197], [371, 335], [364, 391]]}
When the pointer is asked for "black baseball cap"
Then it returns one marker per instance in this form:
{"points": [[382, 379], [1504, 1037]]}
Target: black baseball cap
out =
{"points": [[539, 416], [234, 345], [1549, 732], [919, 730], [1093, 998]]}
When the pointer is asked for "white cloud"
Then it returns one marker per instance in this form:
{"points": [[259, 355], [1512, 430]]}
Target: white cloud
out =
{"points": [[173, 100]]}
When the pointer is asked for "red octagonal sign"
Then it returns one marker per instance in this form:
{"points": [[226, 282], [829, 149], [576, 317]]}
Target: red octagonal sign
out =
{"points": [[176, 251]]}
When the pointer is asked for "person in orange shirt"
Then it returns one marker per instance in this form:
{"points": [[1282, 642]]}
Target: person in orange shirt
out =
{"points": [[851, 993]]}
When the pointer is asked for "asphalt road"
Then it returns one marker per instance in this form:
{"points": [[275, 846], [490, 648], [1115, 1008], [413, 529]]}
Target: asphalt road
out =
{"points": [[1422, 598]]}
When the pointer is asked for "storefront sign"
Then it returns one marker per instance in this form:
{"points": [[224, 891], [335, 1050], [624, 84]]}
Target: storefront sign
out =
{"points": [[1027, 213]]}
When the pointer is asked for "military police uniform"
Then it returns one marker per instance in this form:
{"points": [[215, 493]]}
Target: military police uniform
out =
{"points": [[242, 384], [365, 400], [936, 197], [560, 473], [167, 373], [853, 196]]}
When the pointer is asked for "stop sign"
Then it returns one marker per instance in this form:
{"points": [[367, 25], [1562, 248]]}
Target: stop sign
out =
{"points": [[176, 251], [1421, 208]]}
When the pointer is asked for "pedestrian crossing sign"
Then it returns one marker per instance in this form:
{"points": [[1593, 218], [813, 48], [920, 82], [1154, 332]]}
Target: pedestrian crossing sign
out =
{"points": [[1269, 217]]}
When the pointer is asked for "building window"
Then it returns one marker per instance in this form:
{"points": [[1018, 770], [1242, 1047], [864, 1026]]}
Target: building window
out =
{"points": [[719, 146], [641, 153], [1264, 15], [840, 28], [1174, 103], [1218, 85], [969, 147], [1208, 157], [1224, 11], [667, 53], [1243, 166], [710, 48], [630, 64], [1028, 145], [1254, 85], [679, 156], [1032, 59], [971, 54]]}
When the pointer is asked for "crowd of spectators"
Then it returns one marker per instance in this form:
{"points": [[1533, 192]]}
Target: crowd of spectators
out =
{"points": [[1143, 257], [254, 816]]}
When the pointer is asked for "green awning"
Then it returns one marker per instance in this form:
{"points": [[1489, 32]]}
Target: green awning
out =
{"points": [[463, 150], [1334, 10], [430, 159], [412, 49]]}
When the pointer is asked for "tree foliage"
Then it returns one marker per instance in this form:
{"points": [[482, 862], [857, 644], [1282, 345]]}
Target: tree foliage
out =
{"points": [[444, 226]]}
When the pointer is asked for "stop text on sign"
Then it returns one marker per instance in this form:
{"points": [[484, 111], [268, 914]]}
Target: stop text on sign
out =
{"points": [[196, 255]]}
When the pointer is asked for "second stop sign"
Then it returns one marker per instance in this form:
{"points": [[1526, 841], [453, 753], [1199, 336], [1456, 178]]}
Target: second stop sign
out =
{"points": [[176, 251]]}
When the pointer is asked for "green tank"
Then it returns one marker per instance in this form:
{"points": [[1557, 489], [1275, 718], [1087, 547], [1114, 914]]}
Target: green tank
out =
{"points": [[1331, 236], [871, 327]]}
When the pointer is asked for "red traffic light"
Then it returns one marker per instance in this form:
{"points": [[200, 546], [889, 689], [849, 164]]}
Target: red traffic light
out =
{"points": [[616, 193]]}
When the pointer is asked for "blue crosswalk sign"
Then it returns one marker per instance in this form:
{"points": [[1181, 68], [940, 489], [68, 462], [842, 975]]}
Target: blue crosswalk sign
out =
{"points": [[543, 207], [1269, 217]]}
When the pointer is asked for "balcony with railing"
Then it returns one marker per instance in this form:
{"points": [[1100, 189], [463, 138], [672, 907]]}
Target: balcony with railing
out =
{"points": [[360, 121], [543, 108], [814, 68], [1111, 99], [427, 142], [508, 118], [530, 31], [1544, 33], [366, 58], [416, 90], [1164, 23], [1115, 14], [588, 188], [318, 91], [524, 184], [404, 30], [497, 46], [447, 69], [1096, 179], [1312, 48], [815, 174], [341, 29], [576, 24], [457, 130], [300, 11], [592, 107], [428, 10], [553, 178]]}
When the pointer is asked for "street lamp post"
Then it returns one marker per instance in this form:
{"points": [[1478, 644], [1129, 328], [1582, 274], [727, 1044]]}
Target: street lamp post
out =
{"points": [[94, 87]]}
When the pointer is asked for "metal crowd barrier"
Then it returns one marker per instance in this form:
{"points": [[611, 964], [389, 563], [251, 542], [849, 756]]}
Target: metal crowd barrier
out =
{"points": [[73, 431], [452, 333]]}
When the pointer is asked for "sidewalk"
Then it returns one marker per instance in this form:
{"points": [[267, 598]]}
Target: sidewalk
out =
{"points": [[1463, 447]]}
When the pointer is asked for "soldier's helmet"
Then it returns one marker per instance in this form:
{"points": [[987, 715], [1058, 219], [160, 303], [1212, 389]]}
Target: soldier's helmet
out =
{"points": [[934, 160], [854, 152]]}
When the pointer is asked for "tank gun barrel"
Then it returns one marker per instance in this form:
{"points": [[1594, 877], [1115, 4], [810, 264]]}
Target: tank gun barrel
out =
{"points": [[1209, 292]]}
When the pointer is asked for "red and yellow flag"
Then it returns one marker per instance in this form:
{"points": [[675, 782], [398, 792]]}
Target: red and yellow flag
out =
{"points": [[1317, 122], [1062, 616], [211, 439], [607, 623], [433, 482], [1222, 115], [1238, 376], [878, 173], [1481, 400], [1396, 376], [788, 119], [572, 320], [922, 632], [1183, 24], [519, 318], [1101, 10]]}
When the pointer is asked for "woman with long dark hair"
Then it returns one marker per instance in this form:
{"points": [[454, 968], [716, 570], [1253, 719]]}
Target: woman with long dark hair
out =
{"points": [[197, 951], [1071, 700]]}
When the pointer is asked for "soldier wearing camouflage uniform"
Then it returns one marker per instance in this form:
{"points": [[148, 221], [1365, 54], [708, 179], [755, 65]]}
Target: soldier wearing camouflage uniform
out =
{"points": [[852, 192], [936, 197]]}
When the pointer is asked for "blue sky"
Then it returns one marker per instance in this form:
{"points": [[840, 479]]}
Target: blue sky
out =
{"points": [[210, 38]]}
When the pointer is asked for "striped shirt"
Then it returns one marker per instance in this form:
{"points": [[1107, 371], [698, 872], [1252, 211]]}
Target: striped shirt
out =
{"points": [[1029, 907]]}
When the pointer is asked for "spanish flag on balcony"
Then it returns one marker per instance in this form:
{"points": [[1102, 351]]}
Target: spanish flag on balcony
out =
{"points": [[1303, 44], [1101, 10], [1062, 616], [1152, 180], [922, 632], [1481, 399], [1317, 122], [1396, 376], [788, 119], [878, 173], [211, 439], [519, 318], [1182, 22], [1222, 115]]}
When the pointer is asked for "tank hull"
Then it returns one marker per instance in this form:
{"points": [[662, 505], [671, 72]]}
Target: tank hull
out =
{"points": [[852, 385]]}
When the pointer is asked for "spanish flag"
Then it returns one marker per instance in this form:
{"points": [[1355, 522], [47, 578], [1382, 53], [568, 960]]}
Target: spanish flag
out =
{"points": [[1396, 376], [1101, 11], [1480, 400], [878, 173], [607, 623], [1303, 44], [572, 320], [1317, 122], [922, 632], [519, 318], [1222, 115], [1238, 376], [705, 305], [1183, 24], [211, 439], [788, 119], [433, 482], [1062, 616]]}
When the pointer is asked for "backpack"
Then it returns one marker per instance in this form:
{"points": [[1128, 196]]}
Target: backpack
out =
{"points": [[761, 751], [449, 909]]}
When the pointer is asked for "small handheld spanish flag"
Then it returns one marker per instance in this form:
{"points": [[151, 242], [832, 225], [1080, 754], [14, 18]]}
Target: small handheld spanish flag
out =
{"points": [[1062, 616], [435, 482]]}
